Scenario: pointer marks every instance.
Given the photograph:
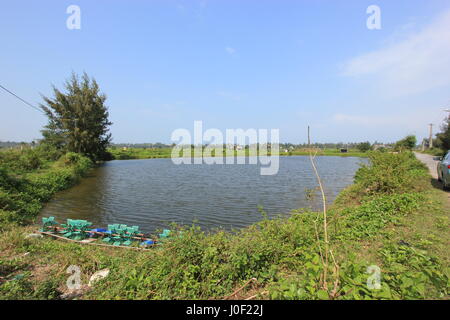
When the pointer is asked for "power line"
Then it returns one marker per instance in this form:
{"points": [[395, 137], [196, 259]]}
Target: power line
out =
{"points": [[24, 101]]}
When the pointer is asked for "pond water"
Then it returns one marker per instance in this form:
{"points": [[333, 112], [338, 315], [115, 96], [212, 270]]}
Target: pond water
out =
{"points": [[155, 192]]}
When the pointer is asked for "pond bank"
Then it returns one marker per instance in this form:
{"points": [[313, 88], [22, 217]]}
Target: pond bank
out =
{"points": [[24, 188]]}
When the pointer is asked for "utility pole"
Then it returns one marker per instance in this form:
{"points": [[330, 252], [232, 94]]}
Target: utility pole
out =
{"points": [[430, 142], [309, 139]]}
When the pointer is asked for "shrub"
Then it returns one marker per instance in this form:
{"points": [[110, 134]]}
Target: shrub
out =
{"points": [[390, 173], [364, 146], [407, 143]]}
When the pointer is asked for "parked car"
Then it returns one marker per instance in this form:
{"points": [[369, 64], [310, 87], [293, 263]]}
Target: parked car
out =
{"points": [[443, 170]]}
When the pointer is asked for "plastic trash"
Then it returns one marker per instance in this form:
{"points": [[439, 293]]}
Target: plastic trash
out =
{"points": [[92, 231], [147, 243], [97, 276], [165, 234], [33, 236]]}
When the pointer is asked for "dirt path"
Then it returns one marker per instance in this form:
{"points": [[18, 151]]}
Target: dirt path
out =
{"points": [[428, 160], [432, 165]]}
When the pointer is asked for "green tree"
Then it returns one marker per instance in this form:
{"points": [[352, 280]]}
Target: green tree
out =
{"points": [[409, 143], [78, 118], [443, 138], [364, 146]]}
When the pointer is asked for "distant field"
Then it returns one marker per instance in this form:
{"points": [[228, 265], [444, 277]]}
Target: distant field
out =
{"points": [[149, 153], [140, 153], [328, 152]]}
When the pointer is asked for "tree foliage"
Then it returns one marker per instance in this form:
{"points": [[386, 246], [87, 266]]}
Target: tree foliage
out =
{"points": [[78, 118], [443, 138], [409, 143], [364, 146]]}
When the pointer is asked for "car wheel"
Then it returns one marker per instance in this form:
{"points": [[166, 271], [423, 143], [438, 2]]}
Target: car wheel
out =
{"points": [[445, 186]]}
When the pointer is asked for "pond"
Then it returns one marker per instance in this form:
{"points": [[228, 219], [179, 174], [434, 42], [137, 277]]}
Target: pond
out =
{"points": [[155, 192]]}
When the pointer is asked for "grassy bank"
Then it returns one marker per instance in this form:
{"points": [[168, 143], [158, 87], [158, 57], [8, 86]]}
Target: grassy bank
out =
{"points": [[391, 218], [434, 152], [150, 153], [29, 178]]}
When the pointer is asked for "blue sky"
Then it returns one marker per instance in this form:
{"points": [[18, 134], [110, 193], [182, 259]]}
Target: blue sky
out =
{"points": [[234, 64]]}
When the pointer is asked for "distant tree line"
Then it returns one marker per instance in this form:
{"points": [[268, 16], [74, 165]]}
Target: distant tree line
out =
{"points": [[156, 145], [14, 145], [362, 146], [10, 144]]}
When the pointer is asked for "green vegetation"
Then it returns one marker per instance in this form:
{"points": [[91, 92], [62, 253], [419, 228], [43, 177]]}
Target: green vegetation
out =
{"points": [[364, 146], [441, 144], [139, 153], [327, 152], [29, 177], [434, 152], [78, 119], [149, 153], [442, 141], [408, 143], [391, 218]]}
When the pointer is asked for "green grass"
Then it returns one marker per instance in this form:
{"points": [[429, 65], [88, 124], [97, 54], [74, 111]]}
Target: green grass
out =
{"points": [[140, 153], [147, 153], [396, 223], [328, 152]]}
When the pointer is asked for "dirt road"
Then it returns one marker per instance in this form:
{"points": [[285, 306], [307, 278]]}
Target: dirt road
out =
{"points": [[428, 160], [432, 165]]}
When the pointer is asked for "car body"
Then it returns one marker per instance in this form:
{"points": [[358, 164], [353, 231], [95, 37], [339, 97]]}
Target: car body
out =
{"points": [[443, 170]]}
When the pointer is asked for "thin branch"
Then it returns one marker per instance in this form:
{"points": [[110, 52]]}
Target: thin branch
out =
{"points": [[245, 284], [324, 203], [254, 296]]}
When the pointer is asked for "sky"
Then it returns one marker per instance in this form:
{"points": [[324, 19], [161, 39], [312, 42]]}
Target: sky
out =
{"points": [[279, 64]]}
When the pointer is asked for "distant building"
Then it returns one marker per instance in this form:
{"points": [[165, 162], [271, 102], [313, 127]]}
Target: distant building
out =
{"points": [[378, 146]]}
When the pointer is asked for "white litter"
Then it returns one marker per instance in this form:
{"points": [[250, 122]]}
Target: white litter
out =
{"points": [[33, 236], [97, 276]]}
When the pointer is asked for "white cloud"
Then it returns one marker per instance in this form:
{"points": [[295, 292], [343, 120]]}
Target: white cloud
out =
{"points": [[230, 50], [419, 63], [415, 121]]}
